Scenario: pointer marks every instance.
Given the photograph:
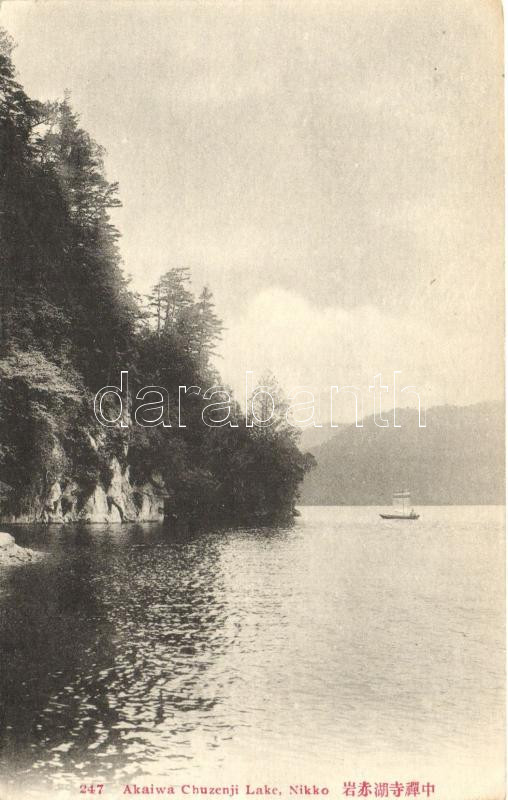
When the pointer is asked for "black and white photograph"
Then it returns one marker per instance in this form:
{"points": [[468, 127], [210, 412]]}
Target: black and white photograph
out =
{"points": [[252, 401]]}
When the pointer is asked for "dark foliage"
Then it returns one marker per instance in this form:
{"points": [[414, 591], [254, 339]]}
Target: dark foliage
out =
{"points": [[69, 323]]}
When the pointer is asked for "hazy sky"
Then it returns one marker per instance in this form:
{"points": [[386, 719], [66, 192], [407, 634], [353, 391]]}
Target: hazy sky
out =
{"points": [[333, 170]]}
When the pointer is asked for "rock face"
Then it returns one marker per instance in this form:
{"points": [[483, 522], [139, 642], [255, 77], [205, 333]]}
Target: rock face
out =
{"points": [[11, 554], [67, 468], [121, 501], [6, 541]]}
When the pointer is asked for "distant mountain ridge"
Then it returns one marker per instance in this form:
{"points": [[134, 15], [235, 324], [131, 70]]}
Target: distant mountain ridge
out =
{"points": [[457, 459]]}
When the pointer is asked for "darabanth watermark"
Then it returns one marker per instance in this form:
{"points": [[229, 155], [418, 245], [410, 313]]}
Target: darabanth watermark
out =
{"points": [[152, 406]]}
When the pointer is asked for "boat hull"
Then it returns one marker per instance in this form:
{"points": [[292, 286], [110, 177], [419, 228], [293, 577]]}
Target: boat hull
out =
{"points": [[400, 516]]}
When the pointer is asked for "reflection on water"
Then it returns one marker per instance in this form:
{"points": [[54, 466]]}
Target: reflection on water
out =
{"points": [[343, 648]]}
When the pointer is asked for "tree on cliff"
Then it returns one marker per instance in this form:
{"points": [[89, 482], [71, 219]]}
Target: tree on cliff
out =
{"points": [[209, 327], [69, 323]]}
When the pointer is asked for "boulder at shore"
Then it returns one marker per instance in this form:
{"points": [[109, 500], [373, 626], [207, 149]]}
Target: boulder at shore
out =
{"points": [[11, 553]]}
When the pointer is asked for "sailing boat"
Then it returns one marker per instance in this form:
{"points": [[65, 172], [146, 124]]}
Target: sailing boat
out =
{"points": [[403, 501]]}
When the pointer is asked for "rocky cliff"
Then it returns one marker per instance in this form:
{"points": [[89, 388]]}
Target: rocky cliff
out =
{"points": [[59, 464], [120, 501]]}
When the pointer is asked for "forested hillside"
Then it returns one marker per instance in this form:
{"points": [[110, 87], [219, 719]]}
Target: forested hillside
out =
{"points": [[69, 324], [458, 458]]}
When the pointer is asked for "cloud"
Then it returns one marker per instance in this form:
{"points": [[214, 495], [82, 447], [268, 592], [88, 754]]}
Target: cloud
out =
{"points": [[305, 345], [324, 168]]}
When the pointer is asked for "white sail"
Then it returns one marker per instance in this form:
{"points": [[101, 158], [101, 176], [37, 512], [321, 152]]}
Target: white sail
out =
{"points": [[401, 499]]}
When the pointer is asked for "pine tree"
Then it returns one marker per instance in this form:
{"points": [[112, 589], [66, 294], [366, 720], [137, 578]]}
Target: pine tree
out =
{"points": [[155, 301], [19, 117], [209, 326], [103, 312], [176, 296]]}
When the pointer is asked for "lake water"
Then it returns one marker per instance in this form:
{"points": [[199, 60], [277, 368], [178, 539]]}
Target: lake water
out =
{"points": [[344, 648]]}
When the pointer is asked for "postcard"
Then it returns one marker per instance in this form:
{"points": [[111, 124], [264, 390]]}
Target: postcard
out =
{"points": [[252, 426]]}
